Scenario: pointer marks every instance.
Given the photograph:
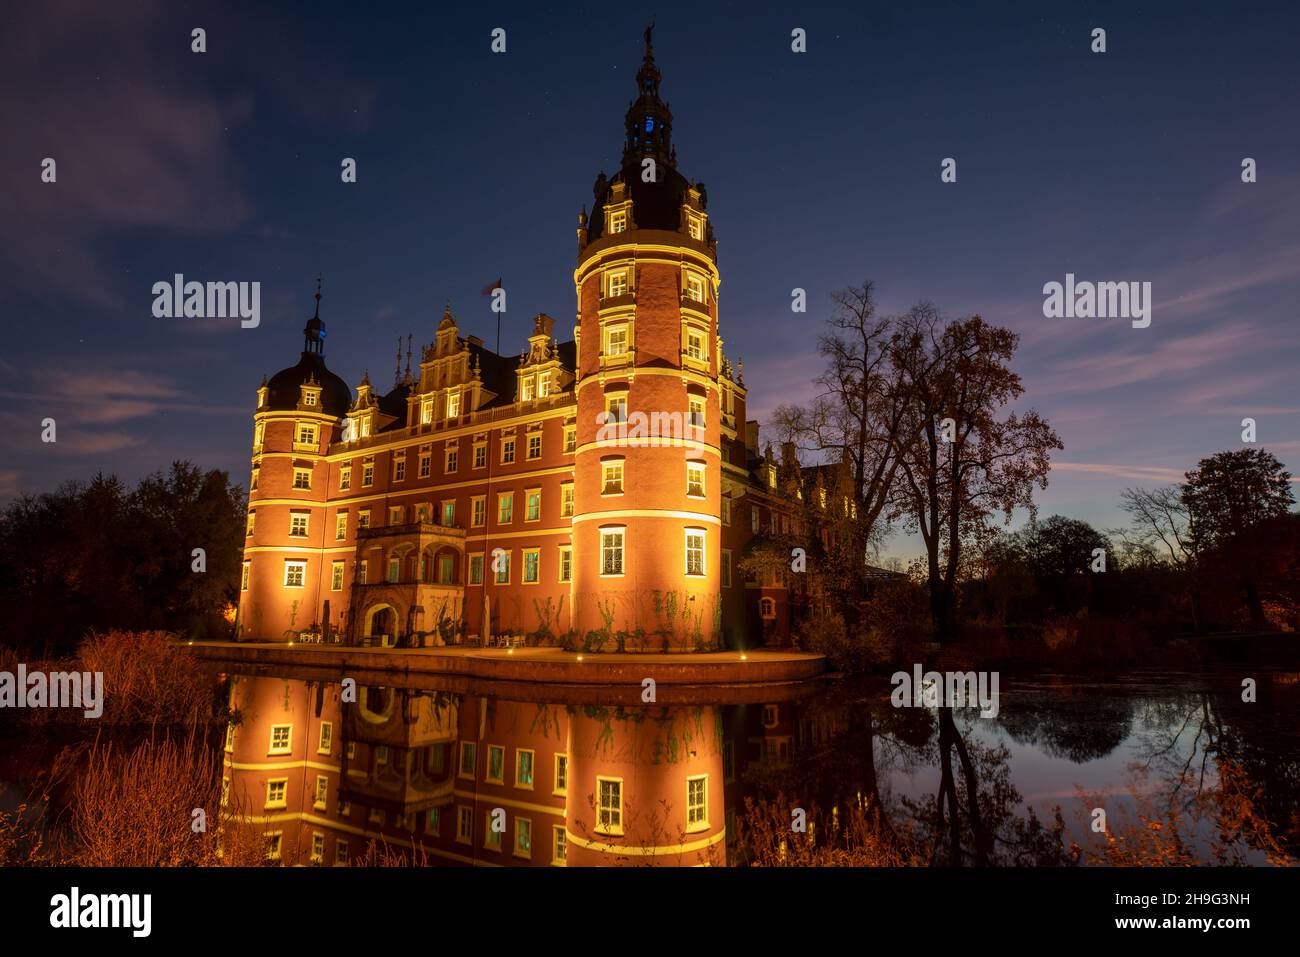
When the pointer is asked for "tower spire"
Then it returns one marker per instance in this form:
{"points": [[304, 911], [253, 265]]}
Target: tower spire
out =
{"points": [[649, 121]]}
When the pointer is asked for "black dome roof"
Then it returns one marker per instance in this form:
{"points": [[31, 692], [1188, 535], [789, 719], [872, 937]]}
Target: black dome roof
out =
{"points": [[284, 393]]}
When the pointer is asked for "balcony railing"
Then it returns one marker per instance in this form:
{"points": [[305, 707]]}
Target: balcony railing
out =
{"points": [[410, 528]]}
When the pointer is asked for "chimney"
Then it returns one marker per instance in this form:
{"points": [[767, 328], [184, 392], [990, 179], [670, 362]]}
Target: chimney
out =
{"points": [[751, 436], [789, 455]]}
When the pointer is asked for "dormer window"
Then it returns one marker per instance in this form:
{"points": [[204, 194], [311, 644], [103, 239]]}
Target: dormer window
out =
{"points": [[426, 412], [453, 405], [618, 221], [309, 398], [543, 385], [528, 388], [695, 227]]}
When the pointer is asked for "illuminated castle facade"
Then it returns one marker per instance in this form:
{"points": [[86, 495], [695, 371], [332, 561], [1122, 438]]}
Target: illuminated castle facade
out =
{"points": [[608, 484]]}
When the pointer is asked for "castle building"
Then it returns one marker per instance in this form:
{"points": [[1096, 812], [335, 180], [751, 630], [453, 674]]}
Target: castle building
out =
{"points": [[604, 485]]}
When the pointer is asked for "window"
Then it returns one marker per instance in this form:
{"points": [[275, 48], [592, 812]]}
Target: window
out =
{"points": [[446, 570], [345, 478], [478, 511], [695, 345], [452, 461], [394, 570], [726, 568], [336, 576], [695, 479], [697, 793], [611, 477], [273, 843], [362, 577], [341, 853], [566, 563], [464, 825], [609, 805], [321, 800], [695, 227], [298, 524], [543, 384], [611, 551], [340, 526], [616, 341], [449, 513], [295, 573], [501, 563], [496, 765], [617, 284], [533, 505], [230, 737], [480, 456], [505, 508], [363, 518], [524, 769], [252, 482], [476, 569], [769, 715], [532, 565], [695, 288], [491, 836], [326, 741], [535, 445], [258, 432], [243, 578], [558, 844], [570, 438], [561, 774], [426, 463], [767, 609], [367, 474], [618, 221], [302, 478], [507, 451], [251, 523], [696, 412], [753, 519], [433, 821], [468, 758], [695, 551], [453, 405], [527, 388], [523, 837], [615, 409], [399, 469], [726, 510], [281, 739], [426, 412], [306, 434], [395, 515]]}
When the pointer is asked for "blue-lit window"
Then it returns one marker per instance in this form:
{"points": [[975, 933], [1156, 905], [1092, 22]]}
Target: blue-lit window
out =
{"points": [[649, 124]]}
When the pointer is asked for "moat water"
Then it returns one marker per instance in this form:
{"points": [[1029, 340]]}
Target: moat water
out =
{"points": [[455, 776]]}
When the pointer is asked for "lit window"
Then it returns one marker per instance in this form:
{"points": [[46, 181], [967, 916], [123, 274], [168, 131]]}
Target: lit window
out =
{"points": [[533, 505], [426, 412], [491, 836], [618, 221], [302, 478], [611, 551], [505, 508], [496, 765], [336, 576], [501, 562], [532, 565], [695, 479], [295, 573], [566, 563], [449, 513], [616, 341], [453, 405], [695, 551], [566, 500], [609, 805], [523, 837], [535, 446], [281, 739], [528, 388], [258, 431], [524, 769], [617, 284], [697, 792], [611, 473], [543, 384], [695, 227], [309, 398]]}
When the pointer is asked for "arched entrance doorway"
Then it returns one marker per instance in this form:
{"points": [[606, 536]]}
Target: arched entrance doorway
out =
{"points": [[381, 626]]}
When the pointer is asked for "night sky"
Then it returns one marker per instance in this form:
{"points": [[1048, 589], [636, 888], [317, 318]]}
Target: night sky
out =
{"points": [[823, 169]]}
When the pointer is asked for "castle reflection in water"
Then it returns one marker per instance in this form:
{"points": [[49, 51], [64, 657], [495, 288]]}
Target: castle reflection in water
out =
{"points": [[448, 776]]}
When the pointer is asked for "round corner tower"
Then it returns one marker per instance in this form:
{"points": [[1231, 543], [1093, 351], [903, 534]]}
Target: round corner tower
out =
{"points": [[646, 526]]}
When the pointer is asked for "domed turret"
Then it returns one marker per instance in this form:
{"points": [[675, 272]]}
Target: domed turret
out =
{"points": [[284, 388]]}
